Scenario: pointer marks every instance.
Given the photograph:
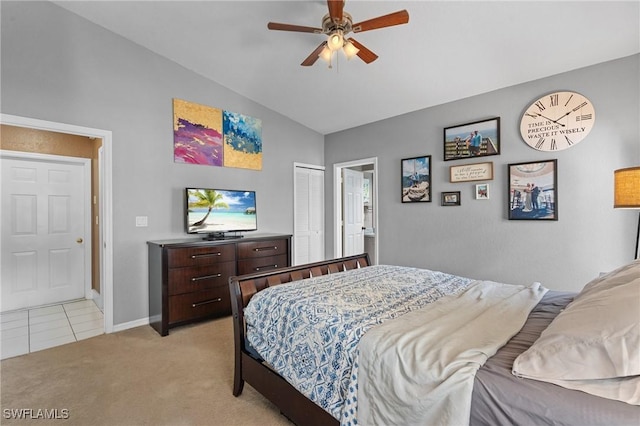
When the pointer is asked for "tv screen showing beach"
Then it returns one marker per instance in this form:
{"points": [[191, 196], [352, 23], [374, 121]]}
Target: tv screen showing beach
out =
{"points": [[214, 210]]}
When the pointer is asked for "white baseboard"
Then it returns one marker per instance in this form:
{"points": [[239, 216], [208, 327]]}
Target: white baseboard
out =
{"points": [[97, 299], [130, 324]]}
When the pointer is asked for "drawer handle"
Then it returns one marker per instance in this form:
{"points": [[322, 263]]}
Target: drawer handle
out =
{"points": [[195, 256], [206, 302], [206, 277], [265, 248], [259, 268]]}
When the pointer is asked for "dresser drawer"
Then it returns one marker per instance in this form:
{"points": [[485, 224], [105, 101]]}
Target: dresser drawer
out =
{"points": [[253, 249], [198, 256], [199, 304], [194, 278], [261, 264]]}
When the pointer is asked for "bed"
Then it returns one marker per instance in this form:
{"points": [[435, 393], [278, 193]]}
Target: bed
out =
{"points": [[508, 375]]}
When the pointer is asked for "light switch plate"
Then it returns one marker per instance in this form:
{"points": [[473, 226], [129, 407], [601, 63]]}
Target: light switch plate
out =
{"points": [[141, 221]]}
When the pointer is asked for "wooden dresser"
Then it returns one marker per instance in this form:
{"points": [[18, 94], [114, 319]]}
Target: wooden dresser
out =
{"points": [[188, 278]]}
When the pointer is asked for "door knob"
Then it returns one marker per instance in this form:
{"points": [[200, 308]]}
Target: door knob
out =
{"points": [[79, 240]]}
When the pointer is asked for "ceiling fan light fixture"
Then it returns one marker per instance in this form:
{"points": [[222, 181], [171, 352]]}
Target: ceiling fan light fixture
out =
{"points": [[326, 54], [349, 49], [335, 40]]}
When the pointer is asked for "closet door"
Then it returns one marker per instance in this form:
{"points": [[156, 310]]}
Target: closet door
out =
{"points": [[308, 237]]}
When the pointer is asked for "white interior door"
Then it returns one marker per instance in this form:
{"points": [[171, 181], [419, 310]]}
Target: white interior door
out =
{"points": [[353, 212], [43, 229], [308, 215]]}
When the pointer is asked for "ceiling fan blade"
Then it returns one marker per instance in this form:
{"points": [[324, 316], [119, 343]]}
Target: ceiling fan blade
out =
{"points": [[396, 18], [363, 53], [311, 59], [296, 28], [335, 10]]}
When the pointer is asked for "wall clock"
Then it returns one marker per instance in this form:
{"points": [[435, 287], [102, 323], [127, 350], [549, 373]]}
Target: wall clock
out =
{"points": [[557, 121]]}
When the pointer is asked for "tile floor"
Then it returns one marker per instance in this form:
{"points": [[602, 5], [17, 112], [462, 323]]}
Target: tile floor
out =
{"points": [[32, 330]]}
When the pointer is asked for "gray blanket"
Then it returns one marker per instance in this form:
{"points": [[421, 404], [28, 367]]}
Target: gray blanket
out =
{"points": [[500, 398]]}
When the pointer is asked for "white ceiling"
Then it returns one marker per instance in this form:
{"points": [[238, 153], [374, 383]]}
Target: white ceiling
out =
{"points": [[448, 50]]}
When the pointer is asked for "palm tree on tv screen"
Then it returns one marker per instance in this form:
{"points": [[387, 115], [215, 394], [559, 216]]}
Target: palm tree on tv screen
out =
{"points": [[207, 198]]}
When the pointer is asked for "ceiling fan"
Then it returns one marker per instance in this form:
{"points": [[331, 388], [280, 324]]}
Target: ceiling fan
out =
{"points": [[336, 25]]}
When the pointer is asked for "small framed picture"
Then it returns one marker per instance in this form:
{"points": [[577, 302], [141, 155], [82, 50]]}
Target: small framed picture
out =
{"points": [[471, 140], [482, 191], [416, 179], [533, 190], [451, 198]]}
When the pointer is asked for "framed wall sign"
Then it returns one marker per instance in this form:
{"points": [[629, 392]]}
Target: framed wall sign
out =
{"points": [[471, 172], [451, 198], [470, 140], [416, 179], [533, 190]]}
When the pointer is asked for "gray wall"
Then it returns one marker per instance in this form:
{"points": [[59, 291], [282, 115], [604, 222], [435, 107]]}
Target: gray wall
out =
{"points": [[476, 239], [62, 68]]}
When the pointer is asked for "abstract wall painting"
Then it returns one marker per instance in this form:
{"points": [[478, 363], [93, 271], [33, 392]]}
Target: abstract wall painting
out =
{"points": [[214, 137], [197, 134], [242, 141]]}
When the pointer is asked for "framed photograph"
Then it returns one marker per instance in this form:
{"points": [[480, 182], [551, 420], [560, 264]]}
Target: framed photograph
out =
{"points": [[482, 191], [416, 179], [470, 140], [451, 198], [533, 190], [471, 172]]}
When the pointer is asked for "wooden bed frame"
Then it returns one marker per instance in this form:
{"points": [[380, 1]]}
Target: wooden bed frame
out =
{"points": [[250, 368]]}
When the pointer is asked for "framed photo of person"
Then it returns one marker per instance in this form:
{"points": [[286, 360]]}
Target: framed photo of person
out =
{"points": [[482, 191], [472, 140], [533, 190], [416, 179]]}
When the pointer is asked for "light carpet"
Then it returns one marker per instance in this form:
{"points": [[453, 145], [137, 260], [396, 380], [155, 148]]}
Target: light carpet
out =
{"points": [[134, 377]]}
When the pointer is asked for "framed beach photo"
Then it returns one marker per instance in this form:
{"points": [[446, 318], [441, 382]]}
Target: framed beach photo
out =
{"points": [[533, 190], [451, 198], [472, 140], [416, 179]]}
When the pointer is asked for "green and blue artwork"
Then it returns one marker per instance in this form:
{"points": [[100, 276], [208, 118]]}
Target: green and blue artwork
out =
{"points": [[242, 141]]}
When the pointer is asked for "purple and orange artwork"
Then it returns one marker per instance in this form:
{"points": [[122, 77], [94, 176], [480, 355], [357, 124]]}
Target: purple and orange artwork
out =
{"points": [[197, 134]]}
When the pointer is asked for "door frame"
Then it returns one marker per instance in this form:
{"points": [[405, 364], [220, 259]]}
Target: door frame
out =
{"points": [[86, 171], [105, 220], [337, 202]]}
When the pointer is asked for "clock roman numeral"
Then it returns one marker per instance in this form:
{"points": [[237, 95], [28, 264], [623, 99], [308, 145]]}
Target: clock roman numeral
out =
{"points": [[583, 117], [569, 141], [553, 100], [531, 115], [540, 106], [579, 106], [553, 144], [568, 100], [540, 143]]}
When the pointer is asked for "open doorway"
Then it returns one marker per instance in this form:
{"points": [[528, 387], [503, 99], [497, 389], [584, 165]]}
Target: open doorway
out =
{"points": [[369, 204], [104, 215]]}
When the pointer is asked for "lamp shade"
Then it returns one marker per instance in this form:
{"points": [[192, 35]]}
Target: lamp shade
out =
{"points": [[349, 49], [626, 188], [335, 40]]}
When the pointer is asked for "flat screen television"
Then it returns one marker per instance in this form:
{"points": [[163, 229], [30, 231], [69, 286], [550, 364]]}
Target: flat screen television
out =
{"points": [[215, 212]]}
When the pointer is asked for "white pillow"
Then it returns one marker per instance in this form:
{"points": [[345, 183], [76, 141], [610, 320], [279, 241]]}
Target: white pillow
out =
{"points": [[596, 337]]}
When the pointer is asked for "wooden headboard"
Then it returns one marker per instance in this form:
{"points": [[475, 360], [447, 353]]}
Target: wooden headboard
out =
{"points": [[248, 366], [244, 287]]}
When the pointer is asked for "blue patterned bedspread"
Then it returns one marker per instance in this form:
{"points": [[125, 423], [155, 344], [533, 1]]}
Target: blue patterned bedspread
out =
{"points": [[308, 331]]}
